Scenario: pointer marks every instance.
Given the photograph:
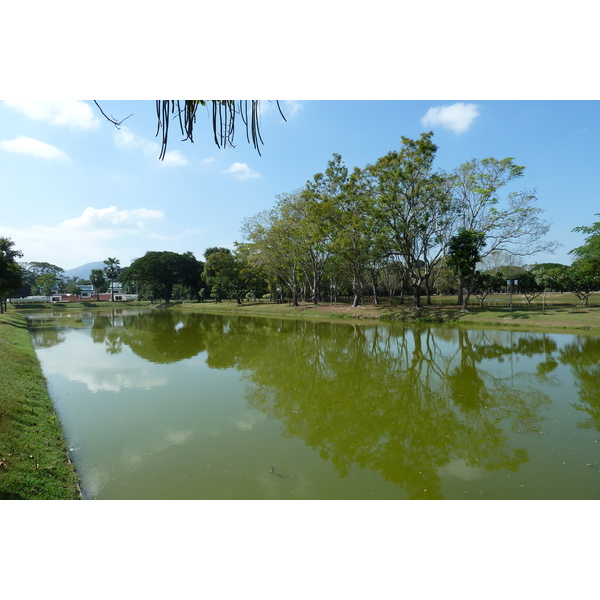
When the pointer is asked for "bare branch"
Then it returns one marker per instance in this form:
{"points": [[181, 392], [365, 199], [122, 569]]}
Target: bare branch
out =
{"points": [[112, 120]]}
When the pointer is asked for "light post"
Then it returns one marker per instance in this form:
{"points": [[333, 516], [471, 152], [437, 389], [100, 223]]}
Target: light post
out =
{"points": [[511, 282]]}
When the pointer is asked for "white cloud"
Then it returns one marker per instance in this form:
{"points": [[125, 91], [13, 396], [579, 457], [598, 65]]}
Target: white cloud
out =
{"points": [[94, 235], [97, 218], [291, 108], [125, 138], [241, 171], [33, 147], [71, 113], [174, 159], [457, 117]]}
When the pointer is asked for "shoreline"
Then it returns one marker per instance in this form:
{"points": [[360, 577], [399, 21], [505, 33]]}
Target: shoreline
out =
{"points": [[558, 317], [34, 458]]}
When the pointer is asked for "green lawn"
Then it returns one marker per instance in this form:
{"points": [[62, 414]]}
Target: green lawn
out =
{"points": [[34, 462]]}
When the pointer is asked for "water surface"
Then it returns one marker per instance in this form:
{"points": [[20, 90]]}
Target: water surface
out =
{"points": [[168, 405]]}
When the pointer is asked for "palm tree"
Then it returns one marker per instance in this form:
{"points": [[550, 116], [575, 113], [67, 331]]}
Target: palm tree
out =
{"points": [[112, 270]]}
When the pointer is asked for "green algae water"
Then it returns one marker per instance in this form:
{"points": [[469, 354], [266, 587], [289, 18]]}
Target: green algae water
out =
{"points": [[168, 405]]}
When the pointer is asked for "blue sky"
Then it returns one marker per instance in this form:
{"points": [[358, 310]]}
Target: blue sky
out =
{"points": [[75, 189]]}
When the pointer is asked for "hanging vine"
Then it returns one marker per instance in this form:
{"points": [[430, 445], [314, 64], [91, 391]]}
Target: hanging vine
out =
{"points": [[224, 115]]}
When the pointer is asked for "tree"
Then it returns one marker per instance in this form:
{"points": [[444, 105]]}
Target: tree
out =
{"points": [[274, 247], [11, 273], [511, 224], [224, 115], [589, 252], [545, 276], [160, 270], [98, 280], [32, 270], [464, 252], [191, 272], [413, 207], [46, 282], [486, 283], [345, 212], [112, 271], [581, 279], [530, 286], [226, 273]]}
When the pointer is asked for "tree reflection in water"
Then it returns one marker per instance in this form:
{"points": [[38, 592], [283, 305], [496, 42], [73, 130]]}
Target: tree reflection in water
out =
{"points": [[405, 403]]}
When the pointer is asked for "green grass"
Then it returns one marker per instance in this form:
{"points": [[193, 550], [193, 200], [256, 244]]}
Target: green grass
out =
{"points": [[34, 462], [562, 312]]}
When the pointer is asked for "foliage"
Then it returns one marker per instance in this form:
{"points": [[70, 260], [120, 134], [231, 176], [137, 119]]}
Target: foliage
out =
{"points": [[11, 274], [227, 274], [464, 252], [485, 284], [512, 223], [98, 280], [530, 285], [161, 271], [46, 283], [112, 271], [582, 279], [412, 207], [589, 252]]}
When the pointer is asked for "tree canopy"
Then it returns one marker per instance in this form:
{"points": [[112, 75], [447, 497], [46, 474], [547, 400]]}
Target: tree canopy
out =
{"points": [[11, 273], [162, 271]]}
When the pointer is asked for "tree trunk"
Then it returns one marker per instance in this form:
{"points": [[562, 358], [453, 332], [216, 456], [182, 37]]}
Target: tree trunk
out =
{"points": [[416, 296], [428, 290]]}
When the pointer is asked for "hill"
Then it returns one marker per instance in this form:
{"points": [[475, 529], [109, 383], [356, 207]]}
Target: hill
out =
{"points": [[84, 271]]}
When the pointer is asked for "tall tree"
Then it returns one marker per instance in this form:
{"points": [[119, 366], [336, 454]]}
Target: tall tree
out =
{"points": [[299, 214], [344, 210], [160, 270], [464, 252], [11, 273], [413, 206], [46, 282], [511, 223], [223, 273], [274, 246], [589, 252], [112, 271]]}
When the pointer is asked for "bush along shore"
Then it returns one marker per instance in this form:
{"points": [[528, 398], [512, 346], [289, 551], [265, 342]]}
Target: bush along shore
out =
{"points": [[34, 459]]}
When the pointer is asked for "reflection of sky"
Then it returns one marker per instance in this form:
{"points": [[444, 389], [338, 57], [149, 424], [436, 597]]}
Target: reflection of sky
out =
{"points": [[133, 457], [249, 420], [84, 361]]}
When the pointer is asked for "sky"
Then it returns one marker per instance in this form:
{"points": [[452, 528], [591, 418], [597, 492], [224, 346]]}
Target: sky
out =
{"points": [[75, 189]]}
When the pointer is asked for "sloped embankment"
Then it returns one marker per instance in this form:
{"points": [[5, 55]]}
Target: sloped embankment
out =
{"points": [[34, 461]]}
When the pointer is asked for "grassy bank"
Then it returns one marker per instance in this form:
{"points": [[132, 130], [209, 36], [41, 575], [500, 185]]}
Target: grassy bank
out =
{"points": [[560, 312], [34, 462], [557, 314]]}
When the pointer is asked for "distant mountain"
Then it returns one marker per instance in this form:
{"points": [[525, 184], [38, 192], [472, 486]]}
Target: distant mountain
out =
{"points": [[84, 271]]}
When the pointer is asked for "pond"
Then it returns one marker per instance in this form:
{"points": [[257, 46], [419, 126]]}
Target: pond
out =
{"points": [[172, 405]]}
